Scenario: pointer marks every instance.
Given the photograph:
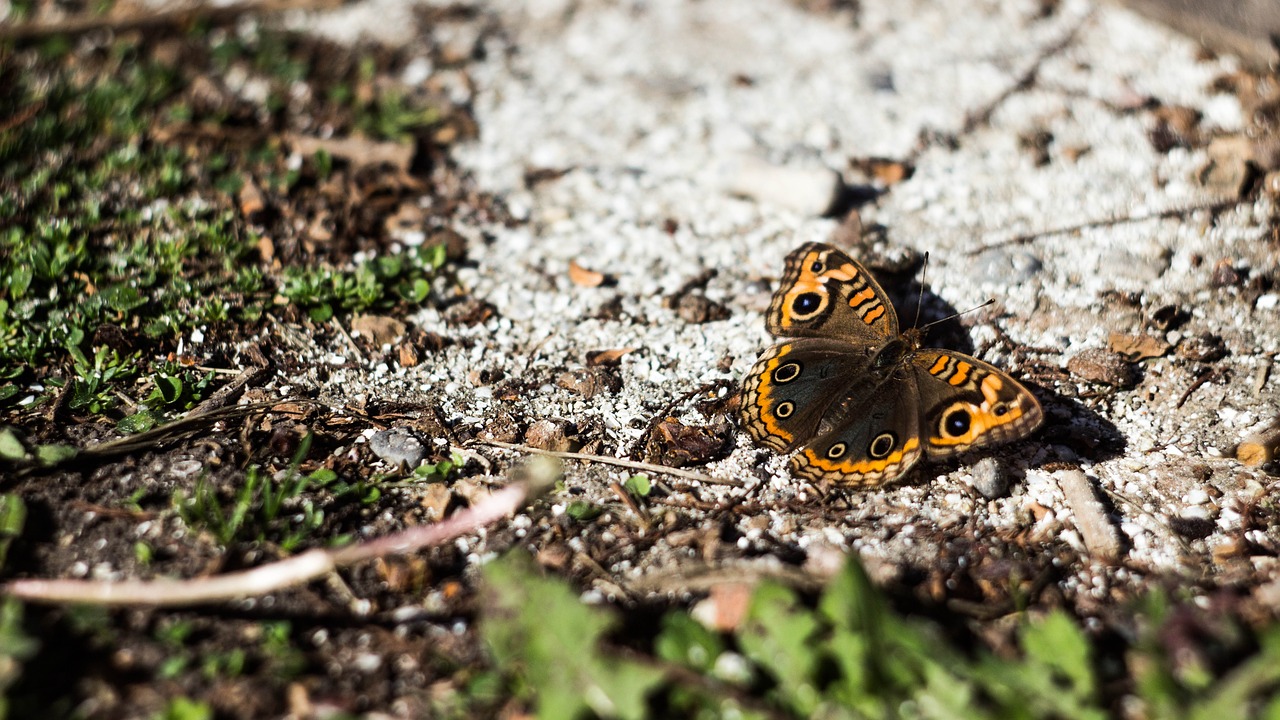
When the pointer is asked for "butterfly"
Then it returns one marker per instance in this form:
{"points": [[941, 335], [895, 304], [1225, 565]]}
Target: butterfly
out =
{"points": [[859, 399]]}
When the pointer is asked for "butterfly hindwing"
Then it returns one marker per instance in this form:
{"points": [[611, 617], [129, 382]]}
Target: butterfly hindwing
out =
{"points": [[870, 440], [792, 386], [967, 403]]}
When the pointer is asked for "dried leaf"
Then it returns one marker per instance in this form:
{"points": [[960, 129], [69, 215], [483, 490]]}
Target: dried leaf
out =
{"points": [[250, 199], [725, 607], [408, 355], [674, 444], [552, 434], [435, 499], [358, 151], [380, 329], [1261, 447], [1137, 347], [583, 277], [589, 382], [1103, 366], [597, 358], [885, 171]]}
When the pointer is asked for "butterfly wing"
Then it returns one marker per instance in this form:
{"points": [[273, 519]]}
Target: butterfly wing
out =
{"points": [[826, 293], [966, 403], [794, 385], [868, 439]]}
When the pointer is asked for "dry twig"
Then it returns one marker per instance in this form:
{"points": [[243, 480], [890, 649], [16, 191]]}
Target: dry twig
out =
{"points": [[173, 17], [619, 462], [271, 577]]}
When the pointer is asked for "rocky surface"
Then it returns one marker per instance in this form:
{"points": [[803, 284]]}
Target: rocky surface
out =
{"points": [[1051, 156]]}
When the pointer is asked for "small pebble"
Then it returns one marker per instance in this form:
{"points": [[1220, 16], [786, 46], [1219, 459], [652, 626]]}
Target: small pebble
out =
{"points": [[1103, 366], [1004, 266], [398, 446], [1196, 497], [810, 191], [990, 478]]}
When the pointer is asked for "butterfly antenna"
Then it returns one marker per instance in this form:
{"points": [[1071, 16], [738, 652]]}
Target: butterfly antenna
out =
{"points": [[924, 272], [989, 301]]}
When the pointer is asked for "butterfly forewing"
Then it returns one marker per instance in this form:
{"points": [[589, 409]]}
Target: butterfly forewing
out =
{"points": [[826, 293]]}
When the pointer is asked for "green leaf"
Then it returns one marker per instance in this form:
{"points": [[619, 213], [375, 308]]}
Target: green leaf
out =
{"points": [[417, 291], [1255, 679], [186, 709], [779, 635], [1056, 643], [15, 647], [49, 455], [11, 447], [540, 632], [13, 518], [169, 388], [687, 642], [20, 280], [583, 511], [123, 298], [638, 485], [138, 422], [321, 313]]}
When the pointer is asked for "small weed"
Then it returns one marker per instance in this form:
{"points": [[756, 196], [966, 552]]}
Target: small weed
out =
{"points": [[143, 553], [638, 486], [550, 643], [181, 708], [93, 384], [848, 656], [393, 116], [438, 472], [13, 518], [274, 508], [15, 648], [583, 511], [284, 659], [377, 284]]}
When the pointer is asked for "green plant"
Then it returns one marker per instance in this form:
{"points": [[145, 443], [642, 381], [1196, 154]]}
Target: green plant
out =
{"points": [[438, 472], [15, 648], [264, 508], [93, 383], [378, 283], [181, 708], [549, 643], [638, 485], [847, 655]]}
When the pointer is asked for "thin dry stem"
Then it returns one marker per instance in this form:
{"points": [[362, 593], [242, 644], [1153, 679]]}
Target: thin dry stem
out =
{"points": [[619, 462], [267, 578]]}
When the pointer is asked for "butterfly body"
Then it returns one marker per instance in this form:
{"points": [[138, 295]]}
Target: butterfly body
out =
{"points": [[859, 400]]}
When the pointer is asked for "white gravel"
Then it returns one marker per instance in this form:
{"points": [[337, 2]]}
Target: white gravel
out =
{"points": [[649, 106]]}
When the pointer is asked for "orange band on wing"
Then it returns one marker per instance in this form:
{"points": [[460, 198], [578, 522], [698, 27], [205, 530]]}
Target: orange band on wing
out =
{"points": [[762, 423], [862, 472], [939, 366]]}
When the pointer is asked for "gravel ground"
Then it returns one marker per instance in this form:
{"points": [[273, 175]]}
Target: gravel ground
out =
{"points": [[656, 141]]}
